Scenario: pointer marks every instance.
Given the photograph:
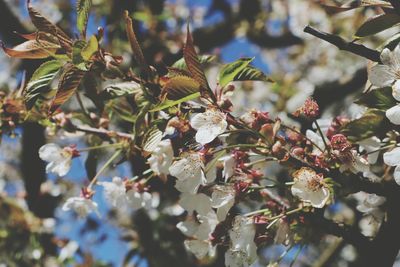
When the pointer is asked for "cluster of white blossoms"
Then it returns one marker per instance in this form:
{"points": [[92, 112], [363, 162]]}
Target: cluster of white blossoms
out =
{"points": [[388, 74], [59, 158], [392, 158]]}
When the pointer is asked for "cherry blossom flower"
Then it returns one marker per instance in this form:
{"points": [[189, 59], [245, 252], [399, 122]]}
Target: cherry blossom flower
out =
{"points": [[243, 250], [161, 158], [137, 200], [392, 158], [371, 146], [81, 205], [223, 199], [200, 203], [115, 192], [310, 187], [190, 172], [59, 158], [209, 125], [200, 248], [229, 166]]}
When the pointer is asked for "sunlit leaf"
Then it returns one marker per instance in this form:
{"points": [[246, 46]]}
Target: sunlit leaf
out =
{"points": [[40, 80], [120, 90], [377, 24], [91, 47], [250, 73], [69, 82], [180, 86], [83, 8], [77, 58], [169, 103], [203, 59], [232, 70], [151, 139], [31, 49]]}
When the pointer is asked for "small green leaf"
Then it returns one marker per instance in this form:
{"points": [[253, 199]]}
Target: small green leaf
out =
{"points": [[380, 99], [40, 80], [231, 70], [250, 73], [180, 86], [377, 24], [91, 47], [203, 59], [83, 8], [120, 90], [77, 58], [371, 123], [169, 103]]}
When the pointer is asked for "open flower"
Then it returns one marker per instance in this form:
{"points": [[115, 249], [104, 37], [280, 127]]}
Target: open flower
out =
{"points": [[223, 199], [310, 187], [392, 158], [209, 125], [191, 172], [161, 158], [81, 205], [115, 192], [59, 158]]}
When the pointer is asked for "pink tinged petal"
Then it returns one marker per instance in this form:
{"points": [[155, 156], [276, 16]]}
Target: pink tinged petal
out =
{"points": [[396, 90], [381, 76], [392, 158], [393, 114], [396, 174]]}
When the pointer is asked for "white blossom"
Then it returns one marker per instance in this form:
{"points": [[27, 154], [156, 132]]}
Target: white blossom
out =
{"points": [[392, 158], [310, 187], [81, 205], [200, 203], [209, 125], [200, 248], [229, 166], [161, 158], [223, 199], [190, 173], [371, 145], [115, 192], [137, 200], [317, 140], [59, 158]]}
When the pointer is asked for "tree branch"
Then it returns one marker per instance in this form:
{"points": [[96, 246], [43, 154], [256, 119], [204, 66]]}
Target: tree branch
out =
{"points": [[342, 44]]}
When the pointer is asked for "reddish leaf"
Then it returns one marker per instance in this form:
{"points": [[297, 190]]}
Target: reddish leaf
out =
{"points": [[194, 66], [44, 25], [180, 86], [69, 82], [31, 49], [137, 51]]}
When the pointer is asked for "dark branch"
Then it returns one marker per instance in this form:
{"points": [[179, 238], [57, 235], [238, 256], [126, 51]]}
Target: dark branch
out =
{"points": [[342, 44]]}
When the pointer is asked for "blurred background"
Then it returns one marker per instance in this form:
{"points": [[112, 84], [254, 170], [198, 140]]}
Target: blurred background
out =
{"points": [[33, 229]]}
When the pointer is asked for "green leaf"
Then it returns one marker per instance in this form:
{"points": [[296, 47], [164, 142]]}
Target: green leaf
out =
{"points": [[169, 103], [180, 86], [151, 139], [40, 81], [232, 70], [120, 90], [377, 24], [371, 123], [69, 82], [77, 58], [381, 98], [91, 47], [83, 8], [203, 59], [250, 73]]}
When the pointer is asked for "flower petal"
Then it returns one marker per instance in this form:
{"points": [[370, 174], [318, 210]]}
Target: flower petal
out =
{"points": [[393, 114], [392, 158], [381, 76]]}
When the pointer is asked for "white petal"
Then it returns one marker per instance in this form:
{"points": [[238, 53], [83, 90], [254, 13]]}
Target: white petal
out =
{"points": [[50, 152], [60, 168], [319, 198], [188, 228], [396, 174], [199, 248], [199, 202], [190, 185], [393, 114], [396, 90], [199, 120], [392, 158], [381, 76]]}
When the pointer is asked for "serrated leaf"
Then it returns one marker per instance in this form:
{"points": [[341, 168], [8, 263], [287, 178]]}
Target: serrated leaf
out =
{"points": [[251, 73], [136, 49], [69, 82], [31, 49], [44, 25], [91, 47], [370, 124], [377, 24], [180, 86], [120, 90], [231, 70], [39, 81], [83, 9], [380, 99], [151, 139], [203, 59], [168, 103], [194, 66]]}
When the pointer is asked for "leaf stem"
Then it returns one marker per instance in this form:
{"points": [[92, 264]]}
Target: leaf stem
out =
{"points": [[105, 166]]}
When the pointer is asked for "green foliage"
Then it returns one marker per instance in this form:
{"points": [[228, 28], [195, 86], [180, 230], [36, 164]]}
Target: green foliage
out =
{"points": [[377, 24], [83, 8], [40, 81], [120, 90], [203, 59], [231, 70], [380, 99]]}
